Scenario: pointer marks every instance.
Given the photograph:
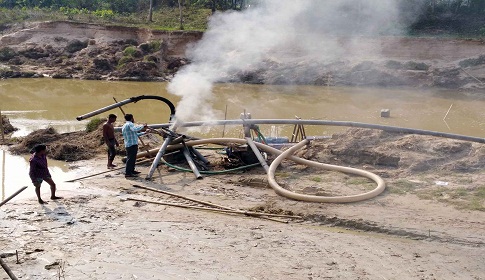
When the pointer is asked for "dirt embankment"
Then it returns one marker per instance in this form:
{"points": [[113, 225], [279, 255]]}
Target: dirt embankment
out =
{"points": [[90, 51]]}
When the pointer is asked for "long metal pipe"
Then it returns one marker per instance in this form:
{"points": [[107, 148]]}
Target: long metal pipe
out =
{"points": [[190, 161], [127, 101], [12, 196], [160, 153], [199, 155], [328, 123]]}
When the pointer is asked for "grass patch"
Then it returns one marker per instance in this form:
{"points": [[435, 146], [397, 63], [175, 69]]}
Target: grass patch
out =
{"points": [[316, 179], [401, 187], [358, 181], [461, 198], [130, 51], [93, 124]]}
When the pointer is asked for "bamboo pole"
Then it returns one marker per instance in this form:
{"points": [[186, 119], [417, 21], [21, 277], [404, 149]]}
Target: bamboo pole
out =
{"points": [[103, 172], [3, 174], [12, 196], [7, 269], [1, 127], [213, 204], [476, 79], [247, 213]]}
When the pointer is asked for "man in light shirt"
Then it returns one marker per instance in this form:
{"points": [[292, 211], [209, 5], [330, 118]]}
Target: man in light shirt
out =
{"points": [[130, 135]]}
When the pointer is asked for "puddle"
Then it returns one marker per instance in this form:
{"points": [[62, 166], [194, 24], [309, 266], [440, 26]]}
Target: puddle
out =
{"points": [[14, 174]]}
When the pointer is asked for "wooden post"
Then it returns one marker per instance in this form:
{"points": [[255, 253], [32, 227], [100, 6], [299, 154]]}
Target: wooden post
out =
{"points": [[1, 127]]}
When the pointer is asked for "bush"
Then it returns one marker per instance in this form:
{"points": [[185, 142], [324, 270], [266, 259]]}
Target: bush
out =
{"points": [[129, 51], [124, 60], [75, 46], [105, 14], [132, 51], [151, 47], [93, 124], [472, 61], [412, 65], [7, 53], [155, 46], [392, 64]]}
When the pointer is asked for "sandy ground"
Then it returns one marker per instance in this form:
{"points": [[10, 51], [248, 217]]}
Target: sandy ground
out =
{"points": [[94, 234]]}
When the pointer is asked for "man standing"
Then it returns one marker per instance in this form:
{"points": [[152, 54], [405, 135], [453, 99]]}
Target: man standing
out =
{"points": [[110, 139], [39, 172], [130, 135]]}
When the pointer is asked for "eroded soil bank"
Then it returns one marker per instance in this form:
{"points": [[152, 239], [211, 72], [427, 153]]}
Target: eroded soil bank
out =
{"points": [[89, 51]]}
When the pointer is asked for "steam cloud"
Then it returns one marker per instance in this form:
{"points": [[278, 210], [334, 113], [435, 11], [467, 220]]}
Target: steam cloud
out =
{"points": [[286, 31]]}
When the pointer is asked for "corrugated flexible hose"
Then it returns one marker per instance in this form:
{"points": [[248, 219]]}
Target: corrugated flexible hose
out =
{"points": [[288, 154]]}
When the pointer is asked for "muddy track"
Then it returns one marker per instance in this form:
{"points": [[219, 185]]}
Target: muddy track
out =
{"points": [[367, 226]]}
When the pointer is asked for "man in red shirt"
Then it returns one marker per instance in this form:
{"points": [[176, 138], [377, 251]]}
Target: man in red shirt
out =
{"points": [[39, 172], [110, 139]]}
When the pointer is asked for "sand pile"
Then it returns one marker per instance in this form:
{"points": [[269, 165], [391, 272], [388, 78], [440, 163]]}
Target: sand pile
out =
{"points": [[400, 152], [79, 145]]}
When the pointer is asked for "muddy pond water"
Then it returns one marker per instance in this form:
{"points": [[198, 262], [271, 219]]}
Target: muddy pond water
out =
{"points": [[38, 103]]}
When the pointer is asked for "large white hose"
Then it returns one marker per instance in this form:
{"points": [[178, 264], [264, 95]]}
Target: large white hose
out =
{"points": [[381, 185]]}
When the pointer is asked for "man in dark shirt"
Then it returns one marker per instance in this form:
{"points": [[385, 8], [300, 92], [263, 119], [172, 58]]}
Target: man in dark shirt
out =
{"points": [[39, 172], [110, 139]]}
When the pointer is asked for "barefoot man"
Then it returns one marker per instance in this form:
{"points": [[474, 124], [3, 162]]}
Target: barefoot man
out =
{"points": [[110, 139], [39, 172]]}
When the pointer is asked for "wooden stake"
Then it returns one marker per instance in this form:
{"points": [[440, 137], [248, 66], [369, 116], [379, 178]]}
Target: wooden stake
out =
{"points": [[225, 118], [1, 128]]}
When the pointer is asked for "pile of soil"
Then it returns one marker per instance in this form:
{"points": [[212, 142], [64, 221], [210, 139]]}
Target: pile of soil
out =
{"points": [[397, 153], [79, 145], [7, 126]]}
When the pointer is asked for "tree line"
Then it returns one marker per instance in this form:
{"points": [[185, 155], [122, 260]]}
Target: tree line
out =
{"points": [[123, 6], [431, 7]]}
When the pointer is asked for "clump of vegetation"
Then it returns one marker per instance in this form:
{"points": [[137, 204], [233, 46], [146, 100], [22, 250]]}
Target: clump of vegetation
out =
{"points": [[151, 47], [131, 51], [392, 64], [401, 187], [462, 198], [150, 58], [470, 62], [7, 53], [75, 46], [93, 124], [124, 60], [413, 65], [410, 65]]}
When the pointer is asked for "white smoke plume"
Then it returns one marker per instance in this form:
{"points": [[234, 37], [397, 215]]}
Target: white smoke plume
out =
{"points": [[299, 31]]}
